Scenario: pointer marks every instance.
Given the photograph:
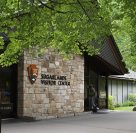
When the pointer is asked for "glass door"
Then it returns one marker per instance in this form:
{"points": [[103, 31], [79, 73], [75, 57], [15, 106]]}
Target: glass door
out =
{"points": [[102, 93], [90, 78], [8, 92]]}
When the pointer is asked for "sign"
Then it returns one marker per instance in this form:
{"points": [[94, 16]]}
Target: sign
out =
{"points": [[32, 73], [48, 79]]}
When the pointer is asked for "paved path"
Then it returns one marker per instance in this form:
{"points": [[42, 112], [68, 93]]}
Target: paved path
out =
{"points": [[113, 122]]}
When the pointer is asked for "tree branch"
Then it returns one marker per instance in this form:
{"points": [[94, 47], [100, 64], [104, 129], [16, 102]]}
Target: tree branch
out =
{"points": [[45, 5], [18, 15], [70, 3], [84, 10]]}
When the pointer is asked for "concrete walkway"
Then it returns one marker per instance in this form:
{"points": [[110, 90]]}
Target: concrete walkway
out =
{"points": [[113, 122]]}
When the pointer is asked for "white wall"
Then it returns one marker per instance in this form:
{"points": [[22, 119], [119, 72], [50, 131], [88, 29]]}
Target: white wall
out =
{"points": [[109, 87], [125, 91], [120, 89], [114, 90], [134, 87]]}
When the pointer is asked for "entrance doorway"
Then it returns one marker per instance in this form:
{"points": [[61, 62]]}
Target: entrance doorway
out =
{"points": [[90, 77], [8, 91], [93, 76]]}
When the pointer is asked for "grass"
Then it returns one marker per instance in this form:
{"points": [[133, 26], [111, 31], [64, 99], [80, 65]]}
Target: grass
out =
{"points": [[128, 108]]}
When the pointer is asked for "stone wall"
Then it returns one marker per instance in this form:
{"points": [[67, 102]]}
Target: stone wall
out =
{"points": [[40, 101]]}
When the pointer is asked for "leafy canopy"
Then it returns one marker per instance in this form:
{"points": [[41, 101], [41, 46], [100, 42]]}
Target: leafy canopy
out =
{"points": [[125, 33], [68, 26]]}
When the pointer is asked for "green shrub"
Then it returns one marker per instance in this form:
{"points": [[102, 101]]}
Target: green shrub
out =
{"points": [[132, 103], [128, 103], [132, 97], [118, 105], [111, 102]]}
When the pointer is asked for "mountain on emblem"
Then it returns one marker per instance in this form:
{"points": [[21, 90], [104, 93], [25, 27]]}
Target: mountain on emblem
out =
{"points": [[32, 72]]}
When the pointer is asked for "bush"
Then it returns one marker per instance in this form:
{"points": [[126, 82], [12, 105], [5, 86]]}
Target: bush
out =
{"points": [[111, 102], [118, 105], [132, 98], [128, 103]]}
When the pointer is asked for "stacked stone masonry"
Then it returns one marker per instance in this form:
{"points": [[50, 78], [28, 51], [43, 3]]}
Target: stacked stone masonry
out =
{"points": [[41, 101]]}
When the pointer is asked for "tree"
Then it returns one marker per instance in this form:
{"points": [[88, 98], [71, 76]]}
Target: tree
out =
{"points": [[125, 34], [68, 26]]}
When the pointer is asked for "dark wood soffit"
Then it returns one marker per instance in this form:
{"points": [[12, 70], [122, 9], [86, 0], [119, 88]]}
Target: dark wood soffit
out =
{"points": [[108, 67], [102, 67]]}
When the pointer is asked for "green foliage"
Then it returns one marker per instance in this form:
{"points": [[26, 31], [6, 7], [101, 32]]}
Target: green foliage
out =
{"points": [[125, 35], [128, 103], [121, 14], [132, 97], [69, 26], [111, 101], [118, 105], [128, 108], [1, 43]]}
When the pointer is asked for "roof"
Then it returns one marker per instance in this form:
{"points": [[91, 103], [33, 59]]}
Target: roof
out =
{"points": [[109, 61], [130, 76], [111, 54], [6, 41], [5, 36]]}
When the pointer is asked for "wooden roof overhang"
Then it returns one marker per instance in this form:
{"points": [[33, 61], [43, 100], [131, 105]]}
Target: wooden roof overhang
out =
{"points": [[102, 67], [109, 61]]}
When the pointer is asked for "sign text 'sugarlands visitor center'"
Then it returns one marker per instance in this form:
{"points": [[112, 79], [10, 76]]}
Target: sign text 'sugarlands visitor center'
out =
{"points": [[49, 86]]}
